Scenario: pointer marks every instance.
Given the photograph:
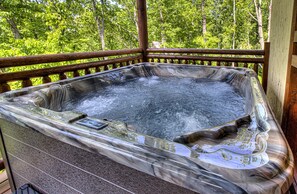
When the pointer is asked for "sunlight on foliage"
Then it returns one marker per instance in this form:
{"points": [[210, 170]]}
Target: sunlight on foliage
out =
{"points": [[30, 27]]}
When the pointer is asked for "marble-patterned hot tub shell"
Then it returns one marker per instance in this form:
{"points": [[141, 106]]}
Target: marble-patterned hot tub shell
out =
{"points": [[50, 150]]}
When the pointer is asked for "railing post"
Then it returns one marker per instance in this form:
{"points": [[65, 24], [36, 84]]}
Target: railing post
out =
{"points": [[142, 28], [265, 66]]}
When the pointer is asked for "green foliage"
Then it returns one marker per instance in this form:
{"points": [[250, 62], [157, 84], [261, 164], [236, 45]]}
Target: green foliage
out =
{"points": [[30, 27], [55, 26], [181, 25]]}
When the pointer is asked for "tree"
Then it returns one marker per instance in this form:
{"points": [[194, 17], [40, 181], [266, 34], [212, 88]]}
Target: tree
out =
{"points": [[29, 27], [234, 23], [11, 21], [258, 11], [269, 20], [203, 20], [100, 24]]}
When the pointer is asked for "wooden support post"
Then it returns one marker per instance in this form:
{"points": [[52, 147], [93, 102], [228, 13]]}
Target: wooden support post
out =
{"points": [[142, 28], [265, 65]]}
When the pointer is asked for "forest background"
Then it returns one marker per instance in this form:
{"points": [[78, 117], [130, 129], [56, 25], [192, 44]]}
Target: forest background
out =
{"points": [[30, 27]]}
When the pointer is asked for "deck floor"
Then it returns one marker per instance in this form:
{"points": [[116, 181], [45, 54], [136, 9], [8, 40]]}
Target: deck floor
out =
{"points": [[4, 184], [5, 187]]}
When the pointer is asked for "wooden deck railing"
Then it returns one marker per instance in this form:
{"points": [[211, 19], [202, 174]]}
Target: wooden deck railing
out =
{"points": [[102, 62], [106, 60], [254, 59]]}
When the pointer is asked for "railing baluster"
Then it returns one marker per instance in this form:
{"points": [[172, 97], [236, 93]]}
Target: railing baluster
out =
{"points": [[97, 69], [26, 83], [218, 63], [46, 79], [201, 62], [245, 65], [5, 87], [209, 63], [255, 67], [105, 67], [171, 61], [76, 73], [179, 61], [62, 76], [87, 71], [159, 61], [114, 66]]}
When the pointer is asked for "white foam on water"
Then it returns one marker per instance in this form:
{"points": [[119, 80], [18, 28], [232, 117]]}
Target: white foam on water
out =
{"points": [[165, 107]]}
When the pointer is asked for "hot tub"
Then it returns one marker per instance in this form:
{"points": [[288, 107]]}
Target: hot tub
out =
{"points": [[146, 128]]}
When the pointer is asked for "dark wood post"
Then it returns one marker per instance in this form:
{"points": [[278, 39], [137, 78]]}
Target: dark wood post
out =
{"points": [[142, 28], [265, 66]]}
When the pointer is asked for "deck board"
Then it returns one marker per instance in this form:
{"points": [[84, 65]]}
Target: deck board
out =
{"points": [[4, 183]]}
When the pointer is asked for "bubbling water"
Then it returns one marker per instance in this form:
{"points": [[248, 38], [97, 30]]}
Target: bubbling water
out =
{"points": [[164, 107]]}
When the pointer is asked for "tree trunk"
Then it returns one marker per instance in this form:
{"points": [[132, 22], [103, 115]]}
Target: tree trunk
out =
{"points": [[248, 35], [203, 20], [14, 28], [135, 22], [12, 24], [163, 40], [269, 21], [100, 25], [259, 19], [234, 23]]}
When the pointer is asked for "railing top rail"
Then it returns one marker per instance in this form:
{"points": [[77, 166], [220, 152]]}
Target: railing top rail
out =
{"points": [[206, 51], [204, 58], [51, 58]]}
